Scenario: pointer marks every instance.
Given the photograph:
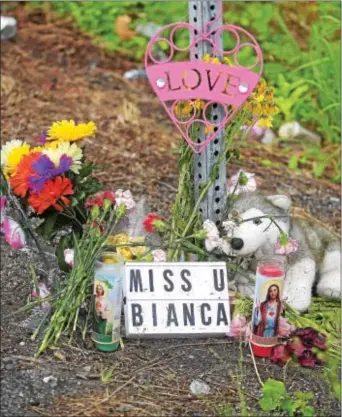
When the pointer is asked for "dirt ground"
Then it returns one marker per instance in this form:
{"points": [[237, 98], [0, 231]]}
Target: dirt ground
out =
{"points": [[50, 72]]}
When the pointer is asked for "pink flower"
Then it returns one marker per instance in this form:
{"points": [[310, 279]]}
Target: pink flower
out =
{"points": [[159, 255], [124, 197], [69, 255], [291, 247], [285, 328], [238, 327], [43, 292], [14, 234], [242, 182], [3, 203], [280, 355]]}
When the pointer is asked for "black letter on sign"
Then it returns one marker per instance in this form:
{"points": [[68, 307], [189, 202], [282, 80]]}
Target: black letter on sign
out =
{"points": [[171, 311], [182, 274], [154, 314], [167, 279], [221, 314], [135, 279], [212, 86], [137, 318], [216, 284], [204, 321], [189, 316], [150, 277]]}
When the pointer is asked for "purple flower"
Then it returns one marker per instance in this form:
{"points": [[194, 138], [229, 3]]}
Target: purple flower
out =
{"points": [[46, 169], [42, 138]]}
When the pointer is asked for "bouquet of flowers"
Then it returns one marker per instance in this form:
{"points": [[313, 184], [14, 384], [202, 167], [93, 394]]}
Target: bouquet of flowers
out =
{"points": [[50, 182]]}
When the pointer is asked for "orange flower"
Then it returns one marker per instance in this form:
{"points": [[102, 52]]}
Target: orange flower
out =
{"points": [[51, 192], [20, 180]]}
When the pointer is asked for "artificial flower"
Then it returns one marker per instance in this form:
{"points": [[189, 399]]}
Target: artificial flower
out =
{"points": [[69, 255], [14, 234], [242, 182], [45, 170], [307, 359], [213, 240], [12, 153], [20, 180], [285, 328], [55, 150], [69, 131], [286, 246], [280, 355], [124, 198], [159, 255], [52, 192], [150, 222]]}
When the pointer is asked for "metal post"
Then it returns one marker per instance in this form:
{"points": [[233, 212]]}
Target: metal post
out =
{"points": [[200, 13]]}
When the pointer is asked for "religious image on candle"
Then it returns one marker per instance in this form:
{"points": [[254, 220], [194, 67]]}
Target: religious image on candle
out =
{"points": [[267, 307]]}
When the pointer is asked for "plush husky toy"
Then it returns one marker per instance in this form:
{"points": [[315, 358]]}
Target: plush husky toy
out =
{"points": [[316, 263]]}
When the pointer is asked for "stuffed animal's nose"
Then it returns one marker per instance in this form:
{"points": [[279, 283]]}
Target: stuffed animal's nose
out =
{"points": [[236, 243]]}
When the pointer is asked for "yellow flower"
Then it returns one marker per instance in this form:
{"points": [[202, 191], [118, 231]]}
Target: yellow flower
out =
{"points": [[206, 58], [14, 156], [227, 61], [69, 131], [137, 251], [199, 104], [209, 129], [13, 147], [215, 61], [65, 148], [264, 122], [184, 109]]}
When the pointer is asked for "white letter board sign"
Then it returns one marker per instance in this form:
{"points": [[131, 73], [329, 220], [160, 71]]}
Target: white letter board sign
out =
{"points": [[176, 299]]}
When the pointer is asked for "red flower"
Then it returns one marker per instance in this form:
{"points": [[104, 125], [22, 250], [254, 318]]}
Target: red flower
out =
{"points": [[52, 191], [319, 341], [295, 346], [280, 355], [20, 180], [307, 336], [307, 359], [150, 221], [99, 198]]}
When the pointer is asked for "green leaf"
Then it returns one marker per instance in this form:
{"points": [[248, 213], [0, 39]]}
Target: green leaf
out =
{"points": [[287, 405], [47, 228], [308, 411], [293, 162]]}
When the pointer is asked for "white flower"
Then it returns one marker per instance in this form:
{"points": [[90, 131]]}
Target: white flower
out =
{"points": [[159, 255], [7, 148], [242, 182], [124, 197], [229, 227], [54, 152], [213, 240], [69, 255]]}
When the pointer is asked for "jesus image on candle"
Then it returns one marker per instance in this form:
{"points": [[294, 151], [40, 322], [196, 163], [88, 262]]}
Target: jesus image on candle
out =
{"points": [[267, 313]]}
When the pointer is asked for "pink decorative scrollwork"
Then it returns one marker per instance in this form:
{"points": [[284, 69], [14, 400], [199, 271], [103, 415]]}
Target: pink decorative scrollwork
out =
{"points": [[188, 89]]}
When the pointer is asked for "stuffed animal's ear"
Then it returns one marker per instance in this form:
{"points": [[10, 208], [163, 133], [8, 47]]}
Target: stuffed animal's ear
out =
{"points": [[280, 200]]}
